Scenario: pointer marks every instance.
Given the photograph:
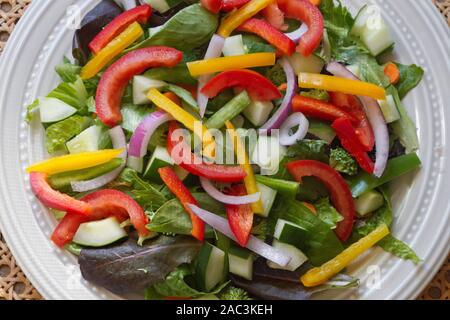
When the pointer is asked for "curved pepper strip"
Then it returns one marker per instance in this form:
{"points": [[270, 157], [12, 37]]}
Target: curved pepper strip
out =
{"points": [[116, 78], [176, 186], [337, 84], [196, 166], [258, 87], [341, 195], [349, 140], [73, 162], [352, 105], [269, 33], [230, 5], [104, 203], [250, 180], [213, 65], [320, 275], [55, 199], [139, 14], [308, 13], [240, 217], [213, 6], [112, 50], [236, 18], [274, 16], [319, 109]]}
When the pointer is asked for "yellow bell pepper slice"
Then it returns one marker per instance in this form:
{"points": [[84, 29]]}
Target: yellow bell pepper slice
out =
{"points": [[337, 84], [252, 60], [112, 49], [249, 180], [187, 119], [73, 162], [322, 274], [236, 18]]}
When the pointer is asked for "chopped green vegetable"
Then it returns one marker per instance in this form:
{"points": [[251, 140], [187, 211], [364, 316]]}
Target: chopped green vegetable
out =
{"points": [[410, 77], [133, 115], [276, 75], [59, 133], [233, 293], [255, 44], [31, 110], [327, 213], [316, 94], [73, 93], [234, 107], [183, 94], [67, 71], [343, 162]]}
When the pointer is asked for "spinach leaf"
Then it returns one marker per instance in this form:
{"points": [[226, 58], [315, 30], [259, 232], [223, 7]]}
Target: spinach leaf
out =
{"points": [[57, 134], [327, 213], [176, 285], [172, 218], [68, 72], [190, 28], [319, 243], [73, 93], [410, 77], [127, 267], [255, 44], [133, 115], [389, 243]]}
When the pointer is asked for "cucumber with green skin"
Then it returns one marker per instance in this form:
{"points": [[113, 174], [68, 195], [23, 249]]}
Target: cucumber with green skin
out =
{"points": [[160, 158], [62, 181], [99, 233], [211, 267], [241, 262], [229, 111], [368, 202]]}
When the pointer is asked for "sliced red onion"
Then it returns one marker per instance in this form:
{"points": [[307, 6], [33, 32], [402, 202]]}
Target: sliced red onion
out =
{"points": [[141, 136], [214, 50], [254, 244], [227, 199], [375, 116], [136, 164], [119, 142], [298, 33], [295, 119], [286, 105]]}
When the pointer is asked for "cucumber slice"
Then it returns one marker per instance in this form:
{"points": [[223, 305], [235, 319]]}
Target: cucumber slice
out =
{"points": [[290, 233], [241, 262], [267, 154], [322, 130], [297, 257], [141, 85], [389, 109], [233, 46], [86, 141], [258, 112], [368, 202], [267, 198], [54, 110], [99, 233], [160, 158], [135, 163], [210, 269], [361, 19], [311, 64]]}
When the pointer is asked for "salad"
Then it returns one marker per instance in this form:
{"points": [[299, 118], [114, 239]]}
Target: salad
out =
{"points": [[227, 149]]}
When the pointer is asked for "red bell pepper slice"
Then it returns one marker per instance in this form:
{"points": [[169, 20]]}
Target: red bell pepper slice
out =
{"points": [[308, 13], [269, 33], [349, 140], [213, 172], [213, 6], [258, 87], [55, 199], [274, 16], [230, 5], [176, 186], [105, 203], [140, 14], [319, 109], [114, 81], [340, 193], [352, 105], [240, 217]]}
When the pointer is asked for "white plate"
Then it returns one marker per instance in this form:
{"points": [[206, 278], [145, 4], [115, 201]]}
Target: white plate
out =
{"points": [[421, 200]]}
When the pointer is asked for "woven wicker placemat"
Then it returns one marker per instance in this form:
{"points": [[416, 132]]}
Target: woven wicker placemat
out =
{"points": [[13, 283]]}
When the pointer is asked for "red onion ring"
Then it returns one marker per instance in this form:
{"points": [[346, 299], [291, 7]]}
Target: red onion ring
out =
{"points": [[254, 244], [141, 136], [375, 116], [119, 142], [214, 50], [227, 199], [295, 119], [286, 106], [297, 34]]}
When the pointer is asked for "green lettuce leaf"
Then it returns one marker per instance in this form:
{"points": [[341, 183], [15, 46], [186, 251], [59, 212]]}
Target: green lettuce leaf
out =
{"points": [[73, 93], [67, 71], [327, 213], [133, 115], [57, 134], [410, 77], [31, 109]]}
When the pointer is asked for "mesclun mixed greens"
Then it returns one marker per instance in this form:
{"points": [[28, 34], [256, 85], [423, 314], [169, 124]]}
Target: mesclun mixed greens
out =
{"points": [[315, 131]]}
